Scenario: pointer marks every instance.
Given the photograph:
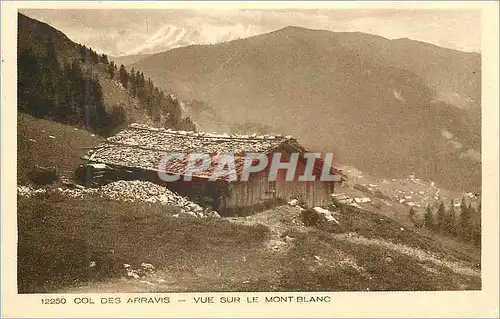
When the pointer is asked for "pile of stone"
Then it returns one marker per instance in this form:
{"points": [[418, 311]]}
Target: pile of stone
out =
{"points": [[28, 191], [295, 203], [129, 191], [142, 272], [144, 191], [362, 200], [77, 192], [328, 215], [344, 199]]}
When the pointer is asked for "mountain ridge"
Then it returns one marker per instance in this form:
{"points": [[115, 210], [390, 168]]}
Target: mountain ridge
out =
{"points": [[72, 84], [339, 88]]}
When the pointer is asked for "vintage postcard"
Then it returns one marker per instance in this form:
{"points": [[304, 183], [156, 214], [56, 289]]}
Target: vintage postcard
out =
{"points": [[249, 159]]}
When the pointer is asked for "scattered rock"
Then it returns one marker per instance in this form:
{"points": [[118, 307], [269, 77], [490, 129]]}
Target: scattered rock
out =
{"points": [[213, 214], [28, 191], [147, 265], [191, 213], [133, 273], [362, 200], [317, 215], [145, 270]]}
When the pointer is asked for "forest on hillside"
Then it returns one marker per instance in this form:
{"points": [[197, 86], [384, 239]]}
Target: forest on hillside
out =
{"points": [[463, 224], [68, 91]]}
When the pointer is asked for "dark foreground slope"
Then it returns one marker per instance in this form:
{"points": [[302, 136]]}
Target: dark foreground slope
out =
{"points": [[82, 246]]}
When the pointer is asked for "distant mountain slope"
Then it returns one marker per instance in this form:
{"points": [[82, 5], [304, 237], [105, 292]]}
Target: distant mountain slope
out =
{"points": [[455, 75], [127, 60], [338, 92], [72, 84]]}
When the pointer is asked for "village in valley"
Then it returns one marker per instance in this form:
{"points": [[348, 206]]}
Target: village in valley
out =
{"points": [[97, 213]]}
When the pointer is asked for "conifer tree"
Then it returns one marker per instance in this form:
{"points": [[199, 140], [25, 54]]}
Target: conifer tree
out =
{"points": [[429, 218], [123, 76], [464, 221], [104, 58], [441, 218], [133, 83], [412, 213], [476, 226], [83, 53], [111, 70], [143, 82], [451, 220], [132, 75]]}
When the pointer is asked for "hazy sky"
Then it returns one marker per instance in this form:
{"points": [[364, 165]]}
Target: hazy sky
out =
{"points": [[129, 31]]}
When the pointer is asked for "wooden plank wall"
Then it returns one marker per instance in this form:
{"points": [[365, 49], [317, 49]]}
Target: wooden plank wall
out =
{"points": [[258, 189]]}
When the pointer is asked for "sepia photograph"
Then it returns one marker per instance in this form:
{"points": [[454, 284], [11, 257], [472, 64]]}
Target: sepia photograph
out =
{"points": [[248, 150], [135, 129]]}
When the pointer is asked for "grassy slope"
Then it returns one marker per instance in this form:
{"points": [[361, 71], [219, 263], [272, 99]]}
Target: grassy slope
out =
{"points": [[364, 268], [367, 252], [59, 237], [62, 152], [399, 213]]}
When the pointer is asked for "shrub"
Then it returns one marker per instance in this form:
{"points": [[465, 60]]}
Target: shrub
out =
{"points": [[377, 205], [259, 231], [380, 195], [412, 213], [43, 176], [310, 217], [429, 221], [242, 211], [362, 188]]}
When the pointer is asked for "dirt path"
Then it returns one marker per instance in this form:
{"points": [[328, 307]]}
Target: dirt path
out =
{"points": [[264, 263], [279, 220], [457, 267]]}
